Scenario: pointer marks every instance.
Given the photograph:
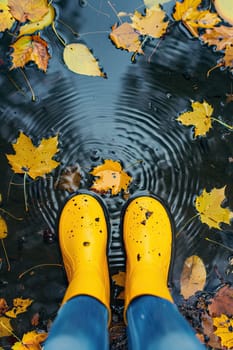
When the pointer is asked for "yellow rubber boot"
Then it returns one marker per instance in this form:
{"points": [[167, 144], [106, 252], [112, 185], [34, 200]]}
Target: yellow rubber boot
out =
{"points": [[148, 238], [83, 238]]}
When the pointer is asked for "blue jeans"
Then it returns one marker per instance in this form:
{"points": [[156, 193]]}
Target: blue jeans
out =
{"points": [[153, 324]]}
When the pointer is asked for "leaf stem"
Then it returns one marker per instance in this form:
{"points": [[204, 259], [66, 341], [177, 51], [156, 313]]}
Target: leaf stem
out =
{"points": [[222, 123], [7, 259], [11, 215], [24, 191], [29, 85], [69, 27], [10, 331], [213, 68], [220, 244], [36, 267], [186, 223], [57, 35]]}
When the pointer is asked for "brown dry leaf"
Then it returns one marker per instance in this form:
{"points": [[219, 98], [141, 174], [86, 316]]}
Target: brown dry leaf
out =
{"points": [[32, 10], [32, 160], [110, 176], [3, 228], [200, 117], [30, 48], [119, 278], [193, 276], [80, 60], [32, 27], [220, 37], [222, 302], [228, 57], [5, 327], [208, 205], [224, 9], [125, 37], [3, 306], [187, 12], [153, 23], [30, 341], [70, 179], [208, 330], [6, 18], [224, 327], [20, 306]]}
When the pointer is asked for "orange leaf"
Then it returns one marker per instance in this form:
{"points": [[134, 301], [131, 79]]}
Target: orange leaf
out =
{"points": [[152, 23], [35, 161], [110, 177], [24, 10], [30, 341], [125, 37], [119, 278], [3, 306], [6, 18], [218, 36], [228, 57], [3, 228], [20, 306], [30, 48]]}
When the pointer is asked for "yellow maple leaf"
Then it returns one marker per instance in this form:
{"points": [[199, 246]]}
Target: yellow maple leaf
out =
{"points": [[219, 36], [34, 161], [24, 10], [20, 306], [188, 12], [110, 176], [193, 276], [80, 60], [125, 37], [208, 205], [224, 326], [30, 341], [153, 23], [3, 228], [6, 18], [30, 48], [200, 117], [5, 327]]}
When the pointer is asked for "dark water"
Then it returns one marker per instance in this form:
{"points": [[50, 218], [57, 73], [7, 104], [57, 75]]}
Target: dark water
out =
{"points": [[129, 117]]}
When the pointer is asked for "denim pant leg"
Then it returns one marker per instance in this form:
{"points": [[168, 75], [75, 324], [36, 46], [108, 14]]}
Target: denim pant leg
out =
{"points": [[81, 323], [156, 324]]}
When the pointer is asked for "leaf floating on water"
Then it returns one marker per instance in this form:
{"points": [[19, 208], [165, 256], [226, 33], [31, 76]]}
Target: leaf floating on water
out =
{"points": [[222, 302], [153, 23], [20, 306], [5, 327], [80, 60], [30, 48], [224, 9], [125, 37], [208, 205], [224, 327], [228, 57], [110, 176], [6, 18], [193, 276], [70, 179], [3, 228], [32, 10], [220, 37], [30, 341], [200, 117], [32, 160]]}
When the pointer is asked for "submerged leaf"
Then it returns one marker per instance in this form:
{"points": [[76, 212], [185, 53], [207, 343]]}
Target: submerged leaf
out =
{"points": [[200, 117], [3, 228], [35, 161], [125, 37], [153, 23], [30, 48], [222, 302], [80, 60], [224, 326], [20, 306], [208, 205], [193, 276], [6, 18], [32, 10], [70, 179], [110, 176]]}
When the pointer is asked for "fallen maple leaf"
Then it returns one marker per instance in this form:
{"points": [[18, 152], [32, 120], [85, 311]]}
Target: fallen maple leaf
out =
{"points": [[208, 205], [30, 48], [188, 12], [221, 37], [125, 37], [24, 10], [224, 327], [110, 177], [80, 60], [193, 276], [200, 117], [70, 179], [20, 306], [224, 9], [153, 23], [30, 341], [222, 302], [6, 18], [5, 327], [3, 228], [34, 161], [211, 339], [228, 57], [32, 27]]}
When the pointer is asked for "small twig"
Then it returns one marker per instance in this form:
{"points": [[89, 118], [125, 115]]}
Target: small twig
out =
{"points": [[186, 223], [11, 215], [213, 68], [222, 123], [97, 32], [154, 49], [36, 267], [114, 10], [29, 85], [220, 244], [140, 47], [69, 27], [24, 191], [98, 11], [16, 85], [57, 35], [7, 259]]}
